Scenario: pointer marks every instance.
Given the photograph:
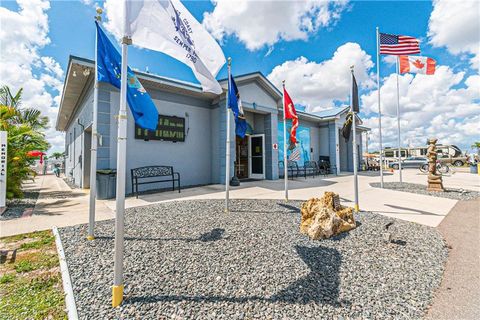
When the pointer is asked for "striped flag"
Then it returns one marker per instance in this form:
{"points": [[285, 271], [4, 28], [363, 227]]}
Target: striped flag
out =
{"points": [[398, 45], [295, 155]]}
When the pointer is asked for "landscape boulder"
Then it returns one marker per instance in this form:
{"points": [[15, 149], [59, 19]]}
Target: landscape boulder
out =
{"points": [[324, 217]]}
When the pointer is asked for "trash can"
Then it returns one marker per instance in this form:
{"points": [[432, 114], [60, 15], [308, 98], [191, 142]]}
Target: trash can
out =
{"points": [[473, 168], [106, 184]]}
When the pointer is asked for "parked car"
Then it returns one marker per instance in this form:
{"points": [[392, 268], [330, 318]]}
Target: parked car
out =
{"points": [[456, 161], [410, 162]]}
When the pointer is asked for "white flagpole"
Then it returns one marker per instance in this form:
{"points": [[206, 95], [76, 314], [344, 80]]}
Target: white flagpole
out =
{"points": [[379, 110], [285, 162], [398, 125], [354, 142], [117, 289], [93, 153], [227, 144]]}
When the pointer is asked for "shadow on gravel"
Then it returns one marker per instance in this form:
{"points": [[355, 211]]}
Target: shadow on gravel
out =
{"points": [[213, 235], [292, 209], [321, 285]]}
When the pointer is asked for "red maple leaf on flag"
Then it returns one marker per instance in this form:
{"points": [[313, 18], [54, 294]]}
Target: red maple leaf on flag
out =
{"points": [[418, 64]]}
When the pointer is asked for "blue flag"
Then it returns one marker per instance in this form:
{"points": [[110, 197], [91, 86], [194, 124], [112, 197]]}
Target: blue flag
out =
{"points": [[235, 103], [109, 64]]}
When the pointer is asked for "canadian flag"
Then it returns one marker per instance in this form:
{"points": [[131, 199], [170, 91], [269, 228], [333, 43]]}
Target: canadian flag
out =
{"points": [[416, 64]]}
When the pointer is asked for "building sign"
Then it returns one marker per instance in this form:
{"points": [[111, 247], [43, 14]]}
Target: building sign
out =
{"points": [[3, 168], [168, 129]]}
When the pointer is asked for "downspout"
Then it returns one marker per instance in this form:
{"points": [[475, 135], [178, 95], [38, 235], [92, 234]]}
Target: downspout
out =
{"points": [[81, 151]]}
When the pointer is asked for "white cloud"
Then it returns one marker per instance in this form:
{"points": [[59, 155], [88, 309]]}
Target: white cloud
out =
{"points": [[113, 14], [319, 85], [259, 23], [456, 25], [444, 105], [389, 59], [26, 32]]}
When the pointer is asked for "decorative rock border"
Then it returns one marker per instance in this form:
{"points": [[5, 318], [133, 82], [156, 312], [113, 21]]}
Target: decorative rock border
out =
{"points": [[67, 284]]}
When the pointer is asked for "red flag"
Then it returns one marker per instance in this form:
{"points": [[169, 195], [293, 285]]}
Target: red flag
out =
{"points": [[417, 64], [291, 113]]}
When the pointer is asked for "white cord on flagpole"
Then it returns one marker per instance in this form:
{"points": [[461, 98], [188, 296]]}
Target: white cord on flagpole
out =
{"points": [[117, 289], [93, 153], [354, 142], [227, 144], [398, 124], [379, 110], [285, 162]]}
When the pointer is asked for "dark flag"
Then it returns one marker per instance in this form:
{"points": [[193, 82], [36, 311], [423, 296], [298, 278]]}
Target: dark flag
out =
{"points": [[347, 127], [355, 104], [235, 103]]}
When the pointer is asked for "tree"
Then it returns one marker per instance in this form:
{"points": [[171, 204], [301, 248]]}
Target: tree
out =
{"points": [[58, 155], [25, 132]]}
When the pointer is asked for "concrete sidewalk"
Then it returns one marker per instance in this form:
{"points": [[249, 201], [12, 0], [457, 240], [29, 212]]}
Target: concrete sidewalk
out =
{"points": [[57, 205]]}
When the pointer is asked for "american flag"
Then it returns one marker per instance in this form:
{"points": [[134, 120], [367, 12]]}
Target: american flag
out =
{"points": [[398, 45], [295, 155]]}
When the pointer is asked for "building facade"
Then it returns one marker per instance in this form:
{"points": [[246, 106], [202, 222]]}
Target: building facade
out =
{"points": [[192, 131]]}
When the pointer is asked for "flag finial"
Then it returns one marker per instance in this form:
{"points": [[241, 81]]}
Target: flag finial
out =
{"points": [[283, 83], [229, 61], [351, 67], [99, 11]]}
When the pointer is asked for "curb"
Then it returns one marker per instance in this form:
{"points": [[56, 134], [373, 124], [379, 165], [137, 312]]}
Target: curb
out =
{"points": [[67, 284]]}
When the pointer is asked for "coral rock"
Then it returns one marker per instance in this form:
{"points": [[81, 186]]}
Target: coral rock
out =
{"points": [[324, 217]]}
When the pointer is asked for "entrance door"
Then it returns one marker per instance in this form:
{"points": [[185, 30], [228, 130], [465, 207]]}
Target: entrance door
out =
{"points": [[256, 156]]}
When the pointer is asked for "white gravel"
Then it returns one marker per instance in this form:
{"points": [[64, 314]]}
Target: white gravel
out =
{"points": [[455, 194], [190, 260]]}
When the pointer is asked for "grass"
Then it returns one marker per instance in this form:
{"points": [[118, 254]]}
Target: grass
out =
{"points": [[31, 287]]}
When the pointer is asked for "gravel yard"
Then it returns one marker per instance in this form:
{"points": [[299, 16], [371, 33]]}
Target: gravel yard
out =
{"points": [[190, 260], [455, 194], [17, 207]]}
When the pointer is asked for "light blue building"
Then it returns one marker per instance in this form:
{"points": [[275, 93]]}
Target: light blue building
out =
{"points": [[198, 151]]}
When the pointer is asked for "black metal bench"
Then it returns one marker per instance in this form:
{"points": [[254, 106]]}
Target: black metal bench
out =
{"points": [[325, 166], [151, 172], [310, 167], [292, 169]]}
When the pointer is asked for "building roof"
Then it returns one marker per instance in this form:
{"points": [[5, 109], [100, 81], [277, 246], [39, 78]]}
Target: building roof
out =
{"points": [[80, 73], [330, 113]]}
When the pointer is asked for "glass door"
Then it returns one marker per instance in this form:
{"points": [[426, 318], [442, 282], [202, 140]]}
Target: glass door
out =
{"points": [[256, 156]]}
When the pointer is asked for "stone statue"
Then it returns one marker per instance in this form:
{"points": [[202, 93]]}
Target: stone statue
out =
{"points": [[434, 179], [325, 217]]}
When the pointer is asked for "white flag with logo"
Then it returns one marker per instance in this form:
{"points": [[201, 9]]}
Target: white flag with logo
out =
{"points": [[167, 26]]}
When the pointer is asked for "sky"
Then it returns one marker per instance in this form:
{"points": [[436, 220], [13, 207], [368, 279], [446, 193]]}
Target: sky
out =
{"points": [[309, 44]]}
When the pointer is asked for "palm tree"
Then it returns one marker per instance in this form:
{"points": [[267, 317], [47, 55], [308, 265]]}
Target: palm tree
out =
{"points": [[25, 132], [8, 99], [58, 155], [31, 116]]}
